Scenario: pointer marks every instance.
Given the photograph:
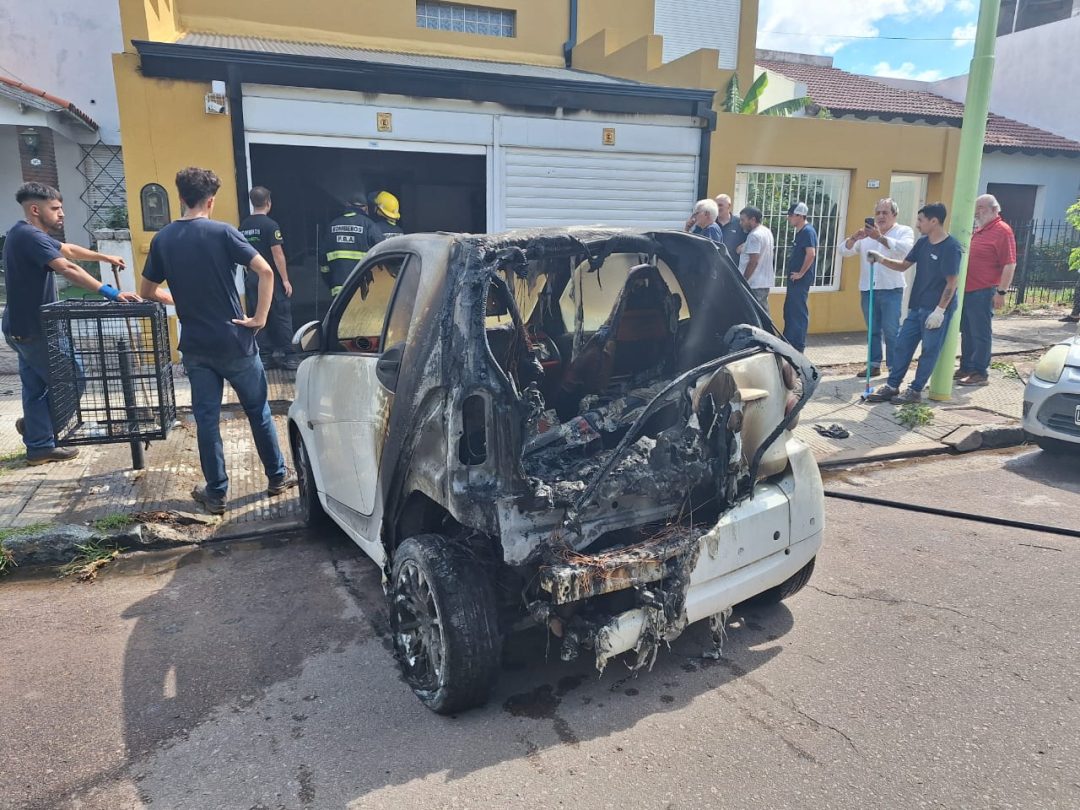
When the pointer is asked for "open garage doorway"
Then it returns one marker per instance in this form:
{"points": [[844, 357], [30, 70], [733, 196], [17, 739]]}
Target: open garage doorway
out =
{"points": [[437, 192]]}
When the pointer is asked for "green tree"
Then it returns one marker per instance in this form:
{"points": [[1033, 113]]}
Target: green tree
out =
{"points": [[735, 102], [1073, 215]]}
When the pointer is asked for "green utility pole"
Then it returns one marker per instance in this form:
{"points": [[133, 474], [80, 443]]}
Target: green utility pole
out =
{"points": [[968, 165]]}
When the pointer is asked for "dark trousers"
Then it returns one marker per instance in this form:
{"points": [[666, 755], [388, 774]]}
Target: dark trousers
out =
{"points": [[976, 331], [38, 428], [797, 311], [913, 331], [276, 337], [245, 374]]}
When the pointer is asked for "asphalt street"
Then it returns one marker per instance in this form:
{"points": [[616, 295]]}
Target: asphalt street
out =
{"points": [[931, 662]]}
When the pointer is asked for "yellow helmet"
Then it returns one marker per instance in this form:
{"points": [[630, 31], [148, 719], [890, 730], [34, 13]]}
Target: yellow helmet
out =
{"points": [[387, 205]]}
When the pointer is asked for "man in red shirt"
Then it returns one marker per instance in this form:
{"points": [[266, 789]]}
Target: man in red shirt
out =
{"points": [[991, 264]]}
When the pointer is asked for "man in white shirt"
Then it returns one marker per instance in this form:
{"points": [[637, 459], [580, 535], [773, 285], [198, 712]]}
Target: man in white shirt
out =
{"points": [[756, 255], [893, 241]]}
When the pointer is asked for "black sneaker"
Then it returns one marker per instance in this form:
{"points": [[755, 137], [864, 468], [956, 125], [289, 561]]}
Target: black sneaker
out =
{"points": [[909, 397], [19, 426], [36, 457], [278, 485], [883, 393], [215, 506]]}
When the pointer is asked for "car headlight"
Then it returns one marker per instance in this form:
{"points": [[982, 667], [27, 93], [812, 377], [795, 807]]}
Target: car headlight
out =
{"points": [[1052, 364]]}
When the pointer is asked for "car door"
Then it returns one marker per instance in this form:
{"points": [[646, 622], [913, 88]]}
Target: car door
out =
{"points": [[353, 381]]}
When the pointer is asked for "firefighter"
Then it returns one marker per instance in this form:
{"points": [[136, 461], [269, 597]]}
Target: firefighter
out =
{"points": [[348, 239], [386, 211]]}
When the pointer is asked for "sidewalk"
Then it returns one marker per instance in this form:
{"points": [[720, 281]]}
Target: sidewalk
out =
{"points": [[100, 483]]}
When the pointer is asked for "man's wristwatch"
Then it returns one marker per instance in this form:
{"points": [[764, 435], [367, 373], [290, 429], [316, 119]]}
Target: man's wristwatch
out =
{"points": [[1002, 292]]}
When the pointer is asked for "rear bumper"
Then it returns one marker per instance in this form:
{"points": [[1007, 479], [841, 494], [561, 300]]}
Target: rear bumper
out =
{"points": [[707, 596], [755, 546]]}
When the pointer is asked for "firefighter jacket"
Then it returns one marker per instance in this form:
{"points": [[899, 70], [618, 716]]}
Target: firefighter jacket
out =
{"points": [[348, 239]]}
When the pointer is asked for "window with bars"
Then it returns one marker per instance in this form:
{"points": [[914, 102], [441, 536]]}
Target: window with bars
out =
{"points": [[491, 22], [105, 195], [825, 192]]}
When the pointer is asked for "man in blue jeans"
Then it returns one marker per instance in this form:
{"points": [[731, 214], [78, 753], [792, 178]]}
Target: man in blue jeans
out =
{"points": [[801, 262], [894, 241], [197, 257], [936, 257], [32, 258]]}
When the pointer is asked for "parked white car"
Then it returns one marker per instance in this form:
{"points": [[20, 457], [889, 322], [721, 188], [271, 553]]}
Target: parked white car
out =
{"points": [[583, 429], [1052, 399]]}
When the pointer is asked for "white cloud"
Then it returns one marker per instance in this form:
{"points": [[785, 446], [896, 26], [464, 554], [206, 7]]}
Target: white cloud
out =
{"points": [[905, 71], [963, 35], [965, 6], [785, 25]]}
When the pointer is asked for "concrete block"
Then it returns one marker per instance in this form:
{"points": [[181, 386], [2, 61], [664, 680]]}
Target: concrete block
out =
{"points": [[51, 546], [965, 439]]}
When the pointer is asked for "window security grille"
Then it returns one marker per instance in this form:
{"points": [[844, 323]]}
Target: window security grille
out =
{"points": [[773, 189]]}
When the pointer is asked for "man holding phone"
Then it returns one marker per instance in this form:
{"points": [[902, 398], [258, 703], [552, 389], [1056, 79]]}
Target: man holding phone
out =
{"points": [[882, 234]]}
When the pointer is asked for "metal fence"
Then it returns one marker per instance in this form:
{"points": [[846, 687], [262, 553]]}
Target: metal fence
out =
{"points": [[1042, 262]]}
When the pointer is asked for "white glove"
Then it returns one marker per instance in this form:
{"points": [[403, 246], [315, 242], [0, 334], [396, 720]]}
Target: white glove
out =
{"points": [[874, 256], [935, 319]]}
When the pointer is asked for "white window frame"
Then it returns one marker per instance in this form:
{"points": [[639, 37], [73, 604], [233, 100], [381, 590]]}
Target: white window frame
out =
{"points": [[842, 190]]}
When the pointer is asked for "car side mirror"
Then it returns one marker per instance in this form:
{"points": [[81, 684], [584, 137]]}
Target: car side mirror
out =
{"points": [[388, 366], [309, 337]]}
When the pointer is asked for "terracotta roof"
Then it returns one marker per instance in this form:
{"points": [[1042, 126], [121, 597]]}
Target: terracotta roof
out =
{"points": [[846, 93], [40, 99]]}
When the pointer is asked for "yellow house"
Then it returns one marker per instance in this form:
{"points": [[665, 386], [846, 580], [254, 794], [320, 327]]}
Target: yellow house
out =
{"points": [[485, 117]]}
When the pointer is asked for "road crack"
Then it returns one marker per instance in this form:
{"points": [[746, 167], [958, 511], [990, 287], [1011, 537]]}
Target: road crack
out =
{"points": [[893, 601]]}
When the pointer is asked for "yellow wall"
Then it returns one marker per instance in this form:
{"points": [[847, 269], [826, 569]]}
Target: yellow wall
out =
{"points": [[869, 150], [165, 128]]}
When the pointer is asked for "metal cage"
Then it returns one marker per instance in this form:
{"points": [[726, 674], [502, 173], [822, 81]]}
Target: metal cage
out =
{"points": [[110, 375]]}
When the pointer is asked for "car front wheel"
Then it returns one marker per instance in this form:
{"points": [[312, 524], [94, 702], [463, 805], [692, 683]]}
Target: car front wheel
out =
{"points": [[444, 623], [790, 586], [312, 513]]}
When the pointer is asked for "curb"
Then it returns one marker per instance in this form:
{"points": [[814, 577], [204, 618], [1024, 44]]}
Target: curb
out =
{"points": [[976, 437], [55, 546]]}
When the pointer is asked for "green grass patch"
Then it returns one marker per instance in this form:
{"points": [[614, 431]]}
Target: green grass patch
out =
{"points": [[113, 523], [914, 414], [1008, 370], [12, 461], [92, 557]]}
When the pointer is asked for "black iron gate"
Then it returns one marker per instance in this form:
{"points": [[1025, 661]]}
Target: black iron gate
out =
{"points": [[1042, 262]]}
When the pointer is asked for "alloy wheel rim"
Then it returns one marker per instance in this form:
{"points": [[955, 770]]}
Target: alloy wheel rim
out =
{"points": [[418, 631]]}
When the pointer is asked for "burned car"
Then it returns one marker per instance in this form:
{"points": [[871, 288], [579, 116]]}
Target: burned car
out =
{"points": [[584, 429]]}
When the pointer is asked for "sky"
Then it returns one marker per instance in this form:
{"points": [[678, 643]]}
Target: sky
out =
{"points": [[935, 38]]}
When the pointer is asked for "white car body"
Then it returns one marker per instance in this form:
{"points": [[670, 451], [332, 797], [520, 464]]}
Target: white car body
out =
{"points": [[1052, 406]]}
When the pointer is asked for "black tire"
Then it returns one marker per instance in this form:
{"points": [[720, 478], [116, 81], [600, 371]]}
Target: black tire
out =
{"points": [[1056, 447], [312, 513], [790, 586], [445, 624]]}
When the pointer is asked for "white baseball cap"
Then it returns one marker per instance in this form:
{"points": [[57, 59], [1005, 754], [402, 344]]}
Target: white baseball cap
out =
{"points": [[798, 208]]}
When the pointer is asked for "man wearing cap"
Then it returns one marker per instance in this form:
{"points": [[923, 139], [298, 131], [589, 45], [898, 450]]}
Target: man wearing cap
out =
{"points": [[801, 263], [348, 239]]}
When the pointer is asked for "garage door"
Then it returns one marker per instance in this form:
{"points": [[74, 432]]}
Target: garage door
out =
{"points": [[559, 187]]}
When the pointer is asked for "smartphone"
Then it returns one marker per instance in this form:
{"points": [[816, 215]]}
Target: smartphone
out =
{"points": [[869, 222]]}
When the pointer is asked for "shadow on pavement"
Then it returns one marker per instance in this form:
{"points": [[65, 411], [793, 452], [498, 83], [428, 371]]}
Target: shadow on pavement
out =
{"points": [[264, 676]]}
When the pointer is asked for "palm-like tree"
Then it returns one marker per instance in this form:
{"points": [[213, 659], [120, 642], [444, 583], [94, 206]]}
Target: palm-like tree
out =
{"points": [[734, 102]]}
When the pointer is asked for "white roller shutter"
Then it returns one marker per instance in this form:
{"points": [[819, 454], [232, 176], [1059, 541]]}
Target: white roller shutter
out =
{"points": [[560, 187]]}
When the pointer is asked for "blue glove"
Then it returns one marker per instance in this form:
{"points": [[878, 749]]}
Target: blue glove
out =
{"points": [[109, 292]]}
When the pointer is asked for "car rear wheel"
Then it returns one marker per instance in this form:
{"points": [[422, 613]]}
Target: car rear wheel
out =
{"points": [[312, 513], [444, 623], [791, 586]]}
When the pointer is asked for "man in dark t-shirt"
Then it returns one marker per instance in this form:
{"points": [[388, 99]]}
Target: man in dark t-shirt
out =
{"points": [[936, 256], [197, 256], [264, 234], [801, 263], [31, 259]]}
